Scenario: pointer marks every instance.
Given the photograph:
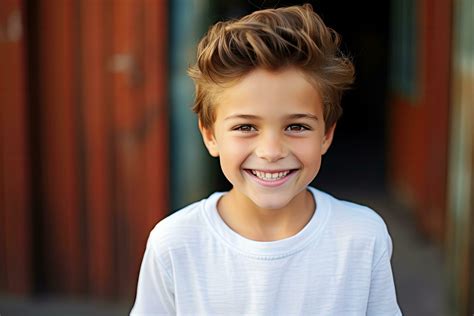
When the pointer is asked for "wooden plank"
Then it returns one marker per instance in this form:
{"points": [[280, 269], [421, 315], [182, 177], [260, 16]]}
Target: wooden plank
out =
{"points": [[127, 108], [64, 257], [140, 129], [437, 54], [157, 151], [420, 127], [96, 130], [155, 125], [470, 83], [461, 165], [15, 238], [470, 264], [468, 100]]}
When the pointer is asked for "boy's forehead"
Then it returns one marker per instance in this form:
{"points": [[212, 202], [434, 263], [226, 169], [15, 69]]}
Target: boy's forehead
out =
{"points": [[288, 87], [289, 115], [269, 102]]}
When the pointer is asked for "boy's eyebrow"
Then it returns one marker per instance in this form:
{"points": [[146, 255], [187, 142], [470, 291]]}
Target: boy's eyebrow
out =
{"points": [[255, 117], [242, 116], [303, 115]]}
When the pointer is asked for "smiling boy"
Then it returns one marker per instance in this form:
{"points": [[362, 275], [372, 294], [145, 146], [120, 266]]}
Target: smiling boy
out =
{"points": [[269, 134], [268, 90]]}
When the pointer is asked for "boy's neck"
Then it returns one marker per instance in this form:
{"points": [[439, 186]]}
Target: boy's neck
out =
{"points": [[252, 222]]}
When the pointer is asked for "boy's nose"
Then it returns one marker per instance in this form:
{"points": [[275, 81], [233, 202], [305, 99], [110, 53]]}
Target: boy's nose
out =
{"points": [[271, 147]]}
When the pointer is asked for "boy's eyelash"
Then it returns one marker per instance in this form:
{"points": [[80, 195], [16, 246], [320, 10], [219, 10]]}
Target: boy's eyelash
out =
{"points": [[302, 126], [244, 128], [251, 128]]}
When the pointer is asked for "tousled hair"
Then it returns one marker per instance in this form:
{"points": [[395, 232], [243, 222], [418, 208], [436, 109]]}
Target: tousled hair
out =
{"points": [[271, 39]]}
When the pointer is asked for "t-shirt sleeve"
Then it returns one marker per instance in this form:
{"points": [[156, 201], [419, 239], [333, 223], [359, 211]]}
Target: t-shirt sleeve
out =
{"points": [[382, 296], [155, 294]]}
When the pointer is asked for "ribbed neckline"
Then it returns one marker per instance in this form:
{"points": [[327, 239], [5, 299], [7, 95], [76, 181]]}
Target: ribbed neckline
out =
{"points": [[268, 250]]}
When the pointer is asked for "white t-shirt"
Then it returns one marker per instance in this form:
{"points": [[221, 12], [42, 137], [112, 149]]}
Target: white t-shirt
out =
{"points": [[338, 264]]}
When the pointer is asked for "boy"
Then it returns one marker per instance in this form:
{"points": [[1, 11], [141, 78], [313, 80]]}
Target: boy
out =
{"points": [[268, 90]]}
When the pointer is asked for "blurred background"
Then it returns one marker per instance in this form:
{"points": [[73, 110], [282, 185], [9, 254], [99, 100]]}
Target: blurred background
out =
{"points": [[98, 142]]}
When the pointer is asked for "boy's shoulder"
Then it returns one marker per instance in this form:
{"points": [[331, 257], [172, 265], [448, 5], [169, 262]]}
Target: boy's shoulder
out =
{"points": [[184, 225], [350, 216]]}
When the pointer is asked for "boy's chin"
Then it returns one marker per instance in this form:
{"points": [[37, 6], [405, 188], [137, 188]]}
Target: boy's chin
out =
{"points": [[271, 203], [266, 200]]}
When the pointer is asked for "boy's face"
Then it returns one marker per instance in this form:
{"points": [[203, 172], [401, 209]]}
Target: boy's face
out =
{"points": [[269, 135]]}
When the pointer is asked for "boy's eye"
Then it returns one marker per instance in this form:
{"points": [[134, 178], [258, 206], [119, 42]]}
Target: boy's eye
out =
{"points": [[244, 128], [297, 128]]}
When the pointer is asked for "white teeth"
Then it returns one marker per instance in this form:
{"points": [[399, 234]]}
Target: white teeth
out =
{"points": [[267, 176]]}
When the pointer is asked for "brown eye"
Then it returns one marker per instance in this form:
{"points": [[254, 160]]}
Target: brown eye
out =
{"points": [[244, 128], [297, 128]]}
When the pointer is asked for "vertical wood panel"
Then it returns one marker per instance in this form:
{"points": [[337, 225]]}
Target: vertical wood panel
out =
{"points": [[15, 238], [63, 249], [99, 214], [154, 25], [460, 244], [138, 71], [127, 107], [156, 101], [103, 132], [419, 127], [437, 52]]}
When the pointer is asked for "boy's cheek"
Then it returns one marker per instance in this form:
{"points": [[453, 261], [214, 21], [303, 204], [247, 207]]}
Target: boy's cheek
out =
{"points": [[232, 142], [233, 149]]}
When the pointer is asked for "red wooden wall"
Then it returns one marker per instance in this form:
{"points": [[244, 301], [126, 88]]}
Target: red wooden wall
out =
{"points": [[15, 217], [419, 128], [102, 133], [60, 185]]}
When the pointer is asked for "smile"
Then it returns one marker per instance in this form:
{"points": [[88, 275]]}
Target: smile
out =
{"points": [[270, 176]]}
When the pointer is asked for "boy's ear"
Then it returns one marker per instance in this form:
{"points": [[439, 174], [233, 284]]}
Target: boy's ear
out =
{"points": [[209, 140], [327, 140]]}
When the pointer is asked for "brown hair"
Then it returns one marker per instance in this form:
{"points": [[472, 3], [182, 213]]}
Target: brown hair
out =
{"points": [[271, 39]]}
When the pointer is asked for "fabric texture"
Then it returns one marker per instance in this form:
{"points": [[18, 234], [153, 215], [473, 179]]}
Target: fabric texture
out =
{"points": [[338, 264]]}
